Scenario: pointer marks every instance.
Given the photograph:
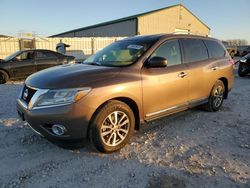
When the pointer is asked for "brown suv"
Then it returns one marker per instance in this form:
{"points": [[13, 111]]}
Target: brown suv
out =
{"points": [[131, 81]]}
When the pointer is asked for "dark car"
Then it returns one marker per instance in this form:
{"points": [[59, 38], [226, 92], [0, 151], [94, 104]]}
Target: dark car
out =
{"points": [[25, 62], [244, 66], [245, 51], [131, 81]]}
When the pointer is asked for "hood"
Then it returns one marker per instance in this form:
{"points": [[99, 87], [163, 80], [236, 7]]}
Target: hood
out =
{"points": [[71, 76]]}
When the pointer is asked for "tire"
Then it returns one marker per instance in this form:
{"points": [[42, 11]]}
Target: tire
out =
{"points": [[112, 126], [242, 71], [216, 97], [4, 77]]}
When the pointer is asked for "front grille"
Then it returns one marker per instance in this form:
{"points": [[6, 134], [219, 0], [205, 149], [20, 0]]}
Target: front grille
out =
{"points": [[28, 94]]}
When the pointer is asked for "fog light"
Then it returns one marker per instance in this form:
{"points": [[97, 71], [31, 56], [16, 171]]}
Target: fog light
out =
{"points": [[58, 129]]}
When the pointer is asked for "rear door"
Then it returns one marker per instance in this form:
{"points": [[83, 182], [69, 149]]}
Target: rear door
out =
{"points": [[201, 69], [46, 59], [221, 62], [23, 65], [165, 88]]}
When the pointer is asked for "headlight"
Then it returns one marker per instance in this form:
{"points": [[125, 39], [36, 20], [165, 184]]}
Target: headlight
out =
{"points": [[72, 62], [60, 97], [243, 60]]}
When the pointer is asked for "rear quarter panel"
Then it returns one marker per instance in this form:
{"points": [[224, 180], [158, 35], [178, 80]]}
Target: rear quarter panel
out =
{"points": [[226, 70]]}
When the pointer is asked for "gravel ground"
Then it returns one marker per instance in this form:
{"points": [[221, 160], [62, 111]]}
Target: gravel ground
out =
{"points": [[190, 149]]}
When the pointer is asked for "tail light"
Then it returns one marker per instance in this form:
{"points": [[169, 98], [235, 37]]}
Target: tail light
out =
{"points": [[232, 61]]}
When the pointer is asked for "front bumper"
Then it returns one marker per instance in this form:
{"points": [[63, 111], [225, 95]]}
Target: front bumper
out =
{"points": [[72, 116]]}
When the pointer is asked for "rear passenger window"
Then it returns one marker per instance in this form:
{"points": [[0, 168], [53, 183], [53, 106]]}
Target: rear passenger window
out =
{"points": [[194, 50], [215, 49], [169, 50], [44, 55]]}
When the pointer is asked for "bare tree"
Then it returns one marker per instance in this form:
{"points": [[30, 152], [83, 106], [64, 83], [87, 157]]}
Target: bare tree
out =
{"points": [[237, 42]]}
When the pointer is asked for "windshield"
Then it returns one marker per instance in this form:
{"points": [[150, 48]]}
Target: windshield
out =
{"points": [[11, 56], [121, 53]]}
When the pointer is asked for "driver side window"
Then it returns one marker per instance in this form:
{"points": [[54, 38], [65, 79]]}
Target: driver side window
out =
{"points": [[169, 50], [25, 56]]}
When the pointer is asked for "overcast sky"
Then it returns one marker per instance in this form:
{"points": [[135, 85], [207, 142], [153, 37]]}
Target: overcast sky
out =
{"points": [[228, 19]]}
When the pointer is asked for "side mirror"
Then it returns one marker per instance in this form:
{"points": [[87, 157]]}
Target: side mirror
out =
{"points": [[156, 62]]}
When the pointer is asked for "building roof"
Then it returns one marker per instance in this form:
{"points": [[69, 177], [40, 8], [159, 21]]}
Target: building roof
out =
{"points": [[128, 18], [4, 36]]}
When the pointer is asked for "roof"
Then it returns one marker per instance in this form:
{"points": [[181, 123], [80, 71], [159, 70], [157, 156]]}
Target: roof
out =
{"points": [[145, 37], [168, 35], [127, 19], [4, 36]]}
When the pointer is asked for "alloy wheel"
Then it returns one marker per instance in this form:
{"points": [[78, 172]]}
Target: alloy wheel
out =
{"points": [[218, 96], [115, 128]]}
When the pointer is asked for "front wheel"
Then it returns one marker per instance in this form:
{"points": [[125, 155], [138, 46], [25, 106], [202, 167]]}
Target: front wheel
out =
{"points": [[112, 126], [4, 77], [216, 97], [242, 70]]}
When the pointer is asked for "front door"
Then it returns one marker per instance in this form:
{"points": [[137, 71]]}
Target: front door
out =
{"points": [[165, 89], [23, 65]]}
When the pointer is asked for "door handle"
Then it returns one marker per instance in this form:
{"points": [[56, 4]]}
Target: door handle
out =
{"points": [[182, 74], [214, 68]]}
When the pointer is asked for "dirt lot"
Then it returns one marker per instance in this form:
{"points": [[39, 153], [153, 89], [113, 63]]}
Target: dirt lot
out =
{"points": [[190, 149]]}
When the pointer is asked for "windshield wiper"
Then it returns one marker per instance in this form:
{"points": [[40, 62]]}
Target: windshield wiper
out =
{"points": [[93, 63]]}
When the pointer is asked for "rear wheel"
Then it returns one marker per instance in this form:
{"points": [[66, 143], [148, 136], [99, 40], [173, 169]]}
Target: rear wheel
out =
{"points": [[112, 126], [216, 97], [4, 77], [242, 70]]}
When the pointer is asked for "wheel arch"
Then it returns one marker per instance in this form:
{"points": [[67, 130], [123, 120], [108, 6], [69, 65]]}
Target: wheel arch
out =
{"points": [[130, 102], [134, 107], [225, 82], [4, 70]]}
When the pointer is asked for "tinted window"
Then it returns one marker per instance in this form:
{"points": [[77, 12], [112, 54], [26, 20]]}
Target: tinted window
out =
{"points": [[215, 49], [195, 50], [169, 50], [43, 55]]}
